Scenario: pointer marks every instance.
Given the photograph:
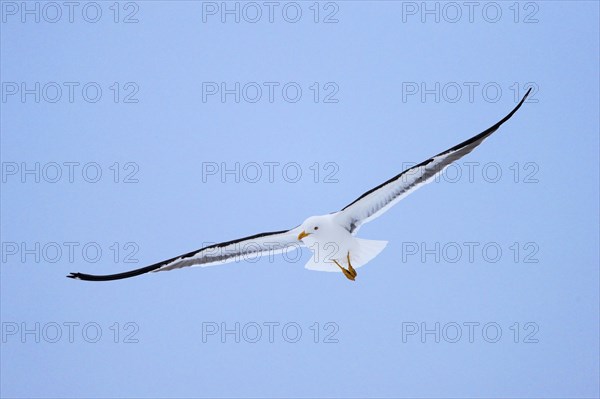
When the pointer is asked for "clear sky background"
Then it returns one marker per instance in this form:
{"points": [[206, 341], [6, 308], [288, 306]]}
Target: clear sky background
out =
{"points": [[516, 316]]}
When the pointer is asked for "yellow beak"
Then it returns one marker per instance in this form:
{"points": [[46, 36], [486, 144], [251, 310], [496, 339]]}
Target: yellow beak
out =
{"points": [[302, 235]]}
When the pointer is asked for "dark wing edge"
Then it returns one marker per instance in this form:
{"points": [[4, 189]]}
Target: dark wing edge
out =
{"points": [[460, 150], [159, 265]]}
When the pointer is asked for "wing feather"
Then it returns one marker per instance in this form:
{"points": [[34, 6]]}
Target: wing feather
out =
{"points": [[378, 200], [272, 243]]}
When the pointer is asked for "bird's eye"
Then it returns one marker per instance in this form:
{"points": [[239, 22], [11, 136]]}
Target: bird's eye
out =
{"points": [[316, 227]]}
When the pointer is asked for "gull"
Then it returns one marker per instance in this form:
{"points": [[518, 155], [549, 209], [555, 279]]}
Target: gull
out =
{"points": [[331, 238]]}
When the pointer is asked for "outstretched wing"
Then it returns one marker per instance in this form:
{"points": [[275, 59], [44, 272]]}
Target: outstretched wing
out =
{"points": [[265, 243], [377, 201]]}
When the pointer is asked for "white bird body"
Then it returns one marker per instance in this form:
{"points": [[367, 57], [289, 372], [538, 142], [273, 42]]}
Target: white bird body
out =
{"points": [[330, 237], [331, 241]]}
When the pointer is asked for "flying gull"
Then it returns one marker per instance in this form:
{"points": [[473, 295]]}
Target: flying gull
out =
{"points": [[330, 237]]}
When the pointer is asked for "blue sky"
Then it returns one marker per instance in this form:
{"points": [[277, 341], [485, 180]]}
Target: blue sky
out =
{"points": [[120, 149]]}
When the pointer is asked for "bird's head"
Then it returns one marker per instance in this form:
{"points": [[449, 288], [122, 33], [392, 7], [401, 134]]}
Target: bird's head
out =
{"points": [[313, 227]]}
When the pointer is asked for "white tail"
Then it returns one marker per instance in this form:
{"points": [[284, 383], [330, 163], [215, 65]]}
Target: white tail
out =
{"points": [[361, 252]]}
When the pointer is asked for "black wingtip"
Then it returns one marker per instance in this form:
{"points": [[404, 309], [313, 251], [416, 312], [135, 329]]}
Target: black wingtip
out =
{"points": [[507, 117], [525, 96], [118, 276], [481, 136]]}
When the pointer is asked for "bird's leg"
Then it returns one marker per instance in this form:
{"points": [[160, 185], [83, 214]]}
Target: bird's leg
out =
{"points": [[350, 268], [349, 275]]}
